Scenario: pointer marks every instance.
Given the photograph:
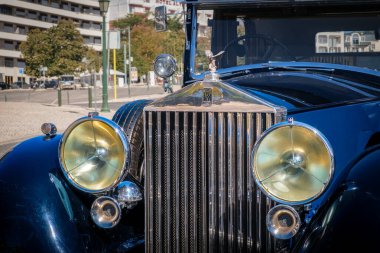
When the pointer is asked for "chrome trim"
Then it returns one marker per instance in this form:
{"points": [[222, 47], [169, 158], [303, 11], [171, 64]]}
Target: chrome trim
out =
{"points": [[212, 214], [231, 181], [119, 131], [222, 181], [324, 140], [274, 213], [97, 212], [159, 177], [169, 217]]}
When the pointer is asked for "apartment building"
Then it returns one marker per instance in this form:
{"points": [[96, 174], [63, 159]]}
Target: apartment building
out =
{"points": [[120, 8], [17, 17]]}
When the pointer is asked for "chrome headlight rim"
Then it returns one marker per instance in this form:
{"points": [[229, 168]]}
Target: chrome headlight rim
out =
{"points": [[126, 148], [325, 142], [168, 72]]}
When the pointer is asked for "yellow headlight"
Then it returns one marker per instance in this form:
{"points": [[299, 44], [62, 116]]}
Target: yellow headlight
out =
{"points": [[293, 163], [94, 153]]}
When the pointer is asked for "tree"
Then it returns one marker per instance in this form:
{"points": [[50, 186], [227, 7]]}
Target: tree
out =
{"points": [[147, 44], [60, 48]]}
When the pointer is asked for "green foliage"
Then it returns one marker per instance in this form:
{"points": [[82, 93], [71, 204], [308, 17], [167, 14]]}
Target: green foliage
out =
{"points": [[60, 48], [146, 43]]}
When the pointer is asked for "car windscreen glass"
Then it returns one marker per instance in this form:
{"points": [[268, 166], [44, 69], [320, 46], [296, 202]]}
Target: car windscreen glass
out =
{"points": [[302, 90], [250, 36], [67, 78]]}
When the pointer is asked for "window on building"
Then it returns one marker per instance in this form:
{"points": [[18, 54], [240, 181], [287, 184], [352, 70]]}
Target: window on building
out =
{"points": [[7, 27], [5, 10], [8, 44], [8, 62], [355, 39], [96, 26], [20, 63], [43, 17], [55, 3], [97, 40], [21, 30], [85, 25], [54, 19], [322, 39], [20, 13]]}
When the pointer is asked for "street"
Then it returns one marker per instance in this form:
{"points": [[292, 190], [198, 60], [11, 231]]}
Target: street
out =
{"points": [[77, 97]]}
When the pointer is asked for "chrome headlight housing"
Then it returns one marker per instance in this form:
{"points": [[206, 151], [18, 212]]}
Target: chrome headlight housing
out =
{"points": [[94, 154], [292, 163], [164, 65]]}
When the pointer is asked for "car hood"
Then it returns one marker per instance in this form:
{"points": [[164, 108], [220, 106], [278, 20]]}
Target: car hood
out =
{"points": [[306, 88]]}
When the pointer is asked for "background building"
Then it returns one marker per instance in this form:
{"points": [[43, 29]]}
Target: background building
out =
{"points": [[17, 17], [120, 8]]}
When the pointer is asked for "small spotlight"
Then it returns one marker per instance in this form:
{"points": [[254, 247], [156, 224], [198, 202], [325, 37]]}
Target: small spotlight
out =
{"points": [[283, 222], [105, 212], [129, 193], [49, 129]]}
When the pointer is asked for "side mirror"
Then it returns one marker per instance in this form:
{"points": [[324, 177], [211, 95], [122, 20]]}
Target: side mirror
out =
{"points": [[160, 18]]}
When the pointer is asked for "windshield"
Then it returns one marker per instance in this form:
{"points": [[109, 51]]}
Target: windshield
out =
{"points": [[257, 35]]}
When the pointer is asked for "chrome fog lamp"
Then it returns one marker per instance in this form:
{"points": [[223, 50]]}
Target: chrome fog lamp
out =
{"points": [[49, 129], [292, 163], [94, 154], [105, 212], [128, 193], [165, 65], [283, 222]]}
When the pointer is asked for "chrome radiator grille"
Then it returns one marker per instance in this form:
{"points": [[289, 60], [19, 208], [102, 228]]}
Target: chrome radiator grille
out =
{"points": [[200, 195]]}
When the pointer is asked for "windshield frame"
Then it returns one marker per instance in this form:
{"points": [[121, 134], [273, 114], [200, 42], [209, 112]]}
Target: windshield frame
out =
{"points": [[221, 71]]}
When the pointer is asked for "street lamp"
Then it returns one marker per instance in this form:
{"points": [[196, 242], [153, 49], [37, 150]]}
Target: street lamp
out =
{"points": [[103, 4]]}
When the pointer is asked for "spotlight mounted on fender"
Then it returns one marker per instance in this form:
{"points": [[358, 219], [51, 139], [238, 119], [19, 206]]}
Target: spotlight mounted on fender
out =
{"points": [[105, 212], [283, 222], [165, 65]]}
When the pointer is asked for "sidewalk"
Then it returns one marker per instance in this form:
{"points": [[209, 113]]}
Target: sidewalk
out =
{"points": [[21, 120]]}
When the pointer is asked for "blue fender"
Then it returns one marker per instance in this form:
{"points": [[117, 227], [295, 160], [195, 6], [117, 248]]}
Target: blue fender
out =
{"points": [[40, 212], [350, 220]]}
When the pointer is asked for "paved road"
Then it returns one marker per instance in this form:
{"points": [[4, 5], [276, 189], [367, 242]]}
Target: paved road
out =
{"points": [[77, 97]]}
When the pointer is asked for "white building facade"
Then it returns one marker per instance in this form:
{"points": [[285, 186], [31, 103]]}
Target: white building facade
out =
{"points": [[120, 8], [18, 17]]}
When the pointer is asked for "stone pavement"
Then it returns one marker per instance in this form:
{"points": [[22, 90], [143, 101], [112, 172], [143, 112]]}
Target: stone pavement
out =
{"points": [[22, 120]]}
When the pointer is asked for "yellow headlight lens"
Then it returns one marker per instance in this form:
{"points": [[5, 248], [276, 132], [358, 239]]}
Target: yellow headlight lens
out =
{"points": [[293, 163], [93, 154]]}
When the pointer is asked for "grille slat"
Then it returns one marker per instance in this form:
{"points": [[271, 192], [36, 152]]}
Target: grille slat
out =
{"points": [[195, 185], [185, 157], [167, 157], [222, 182], [212, 180], [240, 183], [204, 159], [177, 182], [231, 182], [200, 191]]}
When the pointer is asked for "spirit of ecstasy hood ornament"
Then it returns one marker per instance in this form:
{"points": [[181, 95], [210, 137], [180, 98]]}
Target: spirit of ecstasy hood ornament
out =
{"points": [[211, 57]]}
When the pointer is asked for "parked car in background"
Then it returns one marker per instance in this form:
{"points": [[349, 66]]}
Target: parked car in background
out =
{"points": [[4, 86], [272, 145], [51, 84], [67, 82], [20, 85]]}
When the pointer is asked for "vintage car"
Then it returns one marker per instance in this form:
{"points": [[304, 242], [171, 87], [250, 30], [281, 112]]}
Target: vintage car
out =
{"points": [[272, 145]]}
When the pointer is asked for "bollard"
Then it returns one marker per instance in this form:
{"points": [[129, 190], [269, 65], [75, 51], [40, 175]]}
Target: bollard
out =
{"points": [[68, 97], [59, 97], [90, 97], [5, 97]]}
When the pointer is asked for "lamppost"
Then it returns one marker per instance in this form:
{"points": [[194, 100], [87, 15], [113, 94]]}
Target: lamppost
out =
{"points": [[103, 4], [124, 37]]}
